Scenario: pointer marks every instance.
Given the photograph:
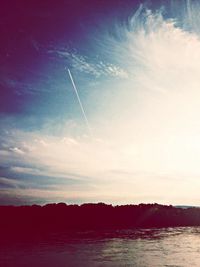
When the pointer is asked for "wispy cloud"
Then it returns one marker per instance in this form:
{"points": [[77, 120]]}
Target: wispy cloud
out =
{"points": [[10, 183], [83, 64]]}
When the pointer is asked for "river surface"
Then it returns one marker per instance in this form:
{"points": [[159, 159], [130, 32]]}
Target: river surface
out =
{"points": [[172, 247]]}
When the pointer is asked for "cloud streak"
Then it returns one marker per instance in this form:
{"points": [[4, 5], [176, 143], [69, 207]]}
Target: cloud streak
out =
{"points": [[83, 64]]}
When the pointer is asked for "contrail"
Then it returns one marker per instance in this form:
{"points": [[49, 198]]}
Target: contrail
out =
{"points": [[79, 100]]}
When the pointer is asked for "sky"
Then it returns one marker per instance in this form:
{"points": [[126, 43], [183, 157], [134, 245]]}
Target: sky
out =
{"points": [[136, 68]]}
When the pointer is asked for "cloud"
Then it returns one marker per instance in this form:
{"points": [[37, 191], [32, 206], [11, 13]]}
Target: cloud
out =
{"points": [[69, 169], [35, 43], [83, 64], [9, 183], [17, 150]]}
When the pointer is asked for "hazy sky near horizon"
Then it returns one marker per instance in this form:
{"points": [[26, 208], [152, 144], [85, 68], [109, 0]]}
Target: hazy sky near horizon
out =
{"points": [[136, 65]]}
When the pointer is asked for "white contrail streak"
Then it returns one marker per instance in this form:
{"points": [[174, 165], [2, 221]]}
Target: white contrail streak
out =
{"points": [[79, 100]]}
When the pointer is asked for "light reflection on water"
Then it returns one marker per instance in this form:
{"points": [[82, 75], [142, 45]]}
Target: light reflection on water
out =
{"points": [[138, 248]]}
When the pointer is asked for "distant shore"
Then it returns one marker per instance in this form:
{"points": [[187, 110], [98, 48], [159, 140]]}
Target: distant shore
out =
{"points": [[63, 217]]}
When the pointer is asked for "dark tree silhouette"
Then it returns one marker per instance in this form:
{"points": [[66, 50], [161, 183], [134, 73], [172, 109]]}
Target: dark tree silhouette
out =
{"points": [[63, 217]]}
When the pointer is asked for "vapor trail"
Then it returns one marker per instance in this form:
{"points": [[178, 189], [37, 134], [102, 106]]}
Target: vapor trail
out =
{"points": [[80, 103]]}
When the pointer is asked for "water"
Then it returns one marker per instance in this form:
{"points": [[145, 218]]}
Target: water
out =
{"points": [[175, 247]]}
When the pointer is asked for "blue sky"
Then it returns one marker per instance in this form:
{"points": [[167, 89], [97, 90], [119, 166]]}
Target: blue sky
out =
{"points": [[136, 67]]}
